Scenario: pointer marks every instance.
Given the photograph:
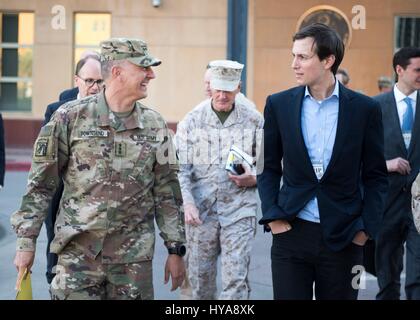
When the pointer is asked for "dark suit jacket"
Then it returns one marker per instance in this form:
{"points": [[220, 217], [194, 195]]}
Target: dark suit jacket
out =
{"points": [[357, 159], [398, 200], [2, 153], [65, 96], [51, 108], [69, 94]]}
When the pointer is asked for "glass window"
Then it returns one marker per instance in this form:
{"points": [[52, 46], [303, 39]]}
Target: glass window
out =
{"points": [[407, 32], [90, 29], [16, 54]]}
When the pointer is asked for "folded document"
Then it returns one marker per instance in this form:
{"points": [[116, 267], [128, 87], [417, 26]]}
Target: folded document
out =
{"points": [[237, 159]]}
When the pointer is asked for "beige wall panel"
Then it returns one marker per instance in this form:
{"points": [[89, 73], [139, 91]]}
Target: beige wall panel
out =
{"points": [[45, 34], [50, 76], [274, 33], [366, 66], [272, 73], [282, 8], [172, 32], [17, 5], [375, 9], [171, 8], [179, 86], [379, 33], [75, 5], [52, 67], [405, 7], [142, 8], [288, 9]]}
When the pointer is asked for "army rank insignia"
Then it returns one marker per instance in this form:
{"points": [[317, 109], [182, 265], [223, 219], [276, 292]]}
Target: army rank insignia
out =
{"points": [[120, 149]]}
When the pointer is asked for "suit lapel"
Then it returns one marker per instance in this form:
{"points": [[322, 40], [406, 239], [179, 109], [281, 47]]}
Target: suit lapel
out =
{"points": [[394, 125], [343, 124], [415, 132], [296, 100]]}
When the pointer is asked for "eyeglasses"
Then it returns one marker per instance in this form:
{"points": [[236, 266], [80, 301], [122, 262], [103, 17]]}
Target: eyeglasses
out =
{"points": [[89, 82]]}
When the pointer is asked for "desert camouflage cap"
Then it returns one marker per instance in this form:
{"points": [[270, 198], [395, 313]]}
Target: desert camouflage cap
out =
{"points": [[133, 50], [225, 74]]}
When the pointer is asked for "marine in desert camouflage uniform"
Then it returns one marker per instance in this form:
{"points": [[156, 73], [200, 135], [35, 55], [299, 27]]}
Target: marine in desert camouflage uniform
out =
{"points": [[415, 201], [220, 208], [119, 168]]}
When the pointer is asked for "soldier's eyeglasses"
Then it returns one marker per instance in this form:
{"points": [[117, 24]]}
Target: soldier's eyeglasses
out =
{"points": [[89, 82]]}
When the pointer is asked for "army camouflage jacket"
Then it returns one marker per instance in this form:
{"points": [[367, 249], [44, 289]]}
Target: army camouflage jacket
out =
{"points": [[203, 144], [119, 174]]}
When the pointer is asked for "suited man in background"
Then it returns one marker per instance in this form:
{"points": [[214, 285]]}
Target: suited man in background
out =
{"points": [[88, 81], [401, 122], [71, 94], [83, 88], [343, 76], [330, 140], [2, 154]]}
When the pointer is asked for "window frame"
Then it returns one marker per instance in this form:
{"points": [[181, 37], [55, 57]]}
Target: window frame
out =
{"points": [[396, 28], [16, 45]]}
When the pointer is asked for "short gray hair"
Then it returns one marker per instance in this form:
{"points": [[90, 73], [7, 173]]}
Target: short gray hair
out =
{"points": [[106, 66]]}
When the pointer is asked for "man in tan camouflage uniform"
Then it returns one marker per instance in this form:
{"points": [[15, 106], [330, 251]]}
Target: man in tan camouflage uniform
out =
{"points": [[220, 208], [415, 202], [117, 161], [240, 98]]}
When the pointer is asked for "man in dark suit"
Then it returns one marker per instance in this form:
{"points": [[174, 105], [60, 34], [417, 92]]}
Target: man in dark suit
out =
{"points": [[330, 140], [401, 122], [69, 94], [2, 154], [88, 80]]}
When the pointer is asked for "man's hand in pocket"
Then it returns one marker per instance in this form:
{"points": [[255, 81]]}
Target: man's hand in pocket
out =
{"points": [[360, 238], [279, 226]]}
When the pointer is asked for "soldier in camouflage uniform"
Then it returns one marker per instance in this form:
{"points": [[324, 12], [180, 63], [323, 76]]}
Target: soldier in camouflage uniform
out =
{"points": [[117, 161], [220, 208]]}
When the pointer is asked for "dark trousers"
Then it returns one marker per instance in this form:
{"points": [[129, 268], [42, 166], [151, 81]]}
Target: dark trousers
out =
{"points": [[398, 228], [49, 226], [300, 259]]}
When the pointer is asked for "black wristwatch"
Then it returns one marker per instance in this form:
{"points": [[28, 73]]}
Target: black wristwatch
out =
{"points": [[178, 250]]}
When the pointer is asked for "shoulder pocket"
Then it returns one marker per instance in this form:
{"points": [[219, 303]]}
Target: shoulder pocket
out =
{"points": [[45, 144]]}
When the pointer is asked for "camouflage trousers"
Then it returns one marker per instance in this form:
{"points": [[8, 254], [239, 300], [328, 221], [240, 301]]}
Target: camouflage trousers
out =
{"points": [[81, 278], [204, 245]]}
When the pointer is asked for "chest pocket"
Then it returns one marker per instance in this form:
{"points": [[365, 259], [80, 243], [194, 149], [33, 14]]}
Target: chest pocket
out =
{"points": [[144, 147], [91, 141], [89, 151]]}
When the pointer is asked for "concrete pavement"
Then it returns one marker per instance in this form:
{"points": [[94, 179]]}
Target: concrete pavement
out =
{"points": [[18, 159]]}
